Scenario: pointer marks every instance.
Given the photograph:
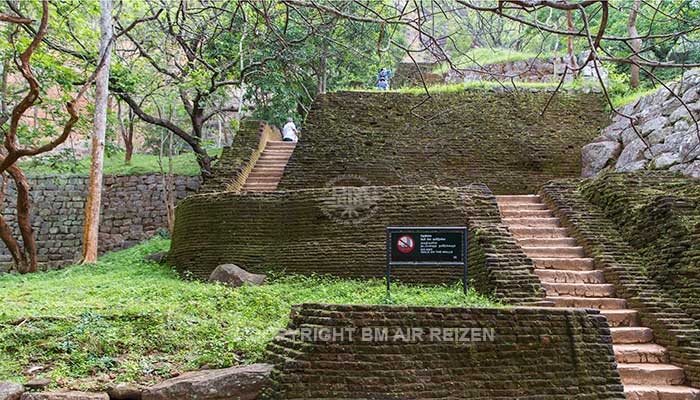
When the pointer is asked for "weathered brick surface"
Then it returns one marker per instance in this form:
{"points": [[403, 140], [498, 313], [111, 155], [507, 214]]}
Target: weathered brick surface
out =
{"points": [[537, 354], [452, 139], [132, 210], [627, 269], [235, 158], [293, 231]]}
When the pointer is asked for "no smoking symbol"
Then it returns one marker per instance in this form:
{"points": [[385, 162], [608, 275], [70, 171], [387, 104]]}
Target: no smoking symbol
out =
{"points": [[405, 244]]}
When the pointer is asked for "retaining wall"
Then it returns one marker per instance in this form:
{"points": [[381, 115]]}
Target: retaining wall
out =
{"points": [[668, 307], [341, 231], [536, 354], [451, 139], [132, 210]]}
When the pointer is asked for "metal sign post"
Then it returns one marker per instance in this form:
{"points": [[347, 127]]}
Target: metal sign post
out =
{"points": [[426, 247]]}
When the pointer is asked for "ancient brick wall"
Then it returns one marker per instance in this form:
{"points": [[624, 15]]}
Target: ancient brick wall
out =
{"points": [[132, 210], [235, 158], [536, 354], [663, 306], [314, 231], [452, 139]]}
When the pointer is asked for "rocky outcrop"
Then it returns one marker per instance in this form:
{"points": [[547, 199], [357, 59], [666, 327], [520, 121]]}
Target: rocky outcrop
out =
{"points": [[65, 396], [662, 135], [10, 391], [242, 383], [235, 276]]}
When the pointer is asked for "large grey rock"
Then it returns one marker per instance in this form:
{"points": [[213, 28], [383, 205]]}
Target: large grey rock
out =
{"points": [[233, 275], [10, 391], [595, 156], [242, 383], [632, 157], [665, 160], [64, 396], [693, 170], [125, 391], [690, 149]]}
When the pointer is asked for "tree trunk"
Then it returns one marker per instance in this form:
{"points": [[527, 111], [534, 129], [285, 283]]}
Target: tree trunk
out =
{"points": [[94, 199], [570, 43], [635, 44], [127, 132], [24, 257]]}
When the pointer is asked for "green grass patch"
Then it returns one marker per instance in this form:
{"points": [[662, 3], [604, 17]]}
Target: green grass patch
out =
{"points": [[183, 164], [127, 320], [620, 99], [486, 56]]}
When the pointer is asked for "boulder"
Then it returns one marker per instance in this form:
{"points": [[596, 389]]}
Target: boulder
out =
{"points": [[243, 383], [665, 160], [235, 276], [693, 170], [595, 156], [157, 257], [38, 383], [10, 391], [64, 396], [125, 391], [632, 157]]}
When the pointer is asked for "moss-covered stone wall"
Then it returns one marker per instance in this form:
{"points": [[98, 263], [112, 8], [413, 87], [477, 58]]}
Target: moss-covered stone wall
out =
{"points": [[234, 158], [450, 139], [663, 305], [316, 231], [658, 213], [536, 354]]}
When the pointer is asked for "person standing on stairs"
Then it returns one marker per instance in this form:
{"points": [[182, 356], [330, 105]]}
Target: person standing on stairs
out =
{"points": [[289, 131]]}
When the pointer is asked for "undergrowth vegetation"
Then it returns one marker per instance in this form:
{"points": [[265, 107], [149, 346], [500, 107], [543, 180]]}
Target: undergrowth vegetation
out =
{"points": [[127, 320], [183, 164]]}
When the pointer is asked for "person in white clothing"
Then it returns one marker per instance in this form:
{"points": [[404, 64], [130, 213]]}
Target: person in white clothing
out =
{"points": [[289, 132]]}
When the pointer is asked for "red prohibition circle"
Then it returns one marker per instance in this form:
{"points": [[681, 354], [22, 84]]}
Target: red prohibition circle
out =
{"points": [[405, 244]]}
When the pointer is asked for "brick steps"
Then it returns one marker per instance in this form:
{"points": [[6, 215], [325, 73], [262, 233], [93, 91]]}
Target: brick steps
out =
{"points": [[579, 289], [564, 276], [621, 318], [661, 392], [269, 168], [554, 251], [570, 280], [651, 374], [640, 353], [563, 263]]}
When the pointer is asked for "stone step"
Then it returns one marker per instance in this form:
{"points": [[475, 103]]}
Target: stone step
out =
{"points": [[537, 232], [651, 374], [268, 168], [661, 392], [640, 353], [552, 251], [552, 222], [601, 303], [518, 199], [568, 264], [262, 178], [621, 318], [522, 207], [563, 276], [632, 335], [579, 289], [526, 214], [547, 242]]}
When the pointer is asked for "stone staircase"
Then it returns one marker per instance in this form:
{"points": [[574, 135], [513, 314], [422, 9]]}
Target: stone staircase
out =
{"points": [[268, 170], [570, 280]]}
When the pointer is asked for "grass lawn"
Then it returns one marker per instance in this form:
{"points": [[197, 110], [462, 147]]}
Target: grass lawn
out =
{"points": [[127, 320], [184, 164]]}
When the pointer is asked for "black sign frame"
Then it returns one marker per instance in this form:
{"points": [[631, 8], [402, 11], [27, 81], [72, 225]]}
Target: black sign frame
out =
{"points": [[416, 231]]}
